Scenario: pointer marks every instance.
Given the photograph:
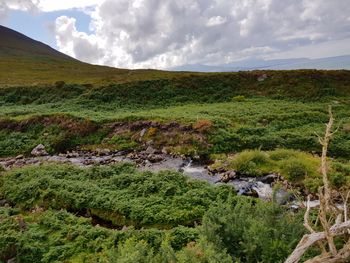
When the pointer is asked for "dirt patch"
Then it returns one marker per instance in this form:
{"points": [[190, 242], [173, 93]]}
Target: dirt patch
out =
{"points": [[171, 137]]}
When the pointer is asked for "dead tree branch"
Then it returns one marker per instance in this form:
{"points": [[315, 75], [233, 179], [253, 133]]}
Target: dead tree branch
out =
{"points": [[334, 221]]}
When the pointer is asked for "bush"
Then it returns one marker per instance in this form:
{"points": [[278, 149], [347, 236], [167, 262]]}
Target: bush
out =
{"points": [[294, 169], [251, 163], [117, 194], [337, 179], [251, 230], [239, 98]]}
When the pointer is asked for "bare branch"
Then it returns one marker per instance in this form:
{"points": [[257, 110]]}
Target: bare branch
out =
{"points": [[310, 239], [328, 213]]}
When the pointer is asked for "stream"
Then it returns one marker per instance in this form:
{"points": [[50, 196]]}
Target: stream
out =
{"points": [[150, 160]]}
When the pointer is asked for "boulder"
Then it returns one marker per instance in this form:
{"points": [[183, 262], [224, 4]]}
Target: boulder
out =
{"points": [[18, 157], [39, 151]]}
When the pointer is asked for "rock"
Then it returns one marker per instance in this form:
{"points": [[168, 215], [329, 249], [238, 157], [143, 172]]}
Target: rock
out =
{"points": [[219, 170], [32, 161], [39, 151], [155, 158], [102, 152], [18, 157], [268, 179], [248, 191], [262, 77], [143, 132], [150, 150], [227, 176], [9, 162], [72, 154]]}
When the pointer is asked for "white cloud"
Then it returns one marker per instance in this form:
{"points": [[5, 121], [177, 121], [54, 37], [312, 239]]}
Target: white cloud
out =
{"points": [[160, 34], [77, 44], [216, 21], [54, 5], [24, 5]]}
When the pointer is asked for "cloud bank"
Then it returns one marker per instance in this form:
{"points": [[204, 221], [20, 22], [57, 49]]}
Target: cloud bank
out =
{"points": [[167, 33]]}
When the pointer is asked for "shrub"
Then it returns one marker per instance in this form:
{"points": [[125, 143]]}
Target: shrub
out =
{"points": [[203, 125], [294, 169], [251, 230], [337, 179], [115, 193], [251, 163], [239, 98]]}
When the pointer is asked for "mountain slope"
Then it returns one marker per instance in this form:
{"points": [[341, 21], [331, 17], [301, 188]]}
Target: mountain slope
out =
{"points": [[27, 62], [15, 44]]}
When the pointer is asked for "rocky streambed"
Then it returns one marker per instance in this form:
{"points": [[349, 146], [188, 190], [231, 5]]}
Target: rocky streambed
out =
{"points": [[152, 160]]}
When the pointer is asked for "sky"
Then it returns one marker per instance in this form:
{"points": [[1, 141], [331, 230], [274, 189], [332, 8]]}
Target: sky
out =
{"points": [[167, 33]]}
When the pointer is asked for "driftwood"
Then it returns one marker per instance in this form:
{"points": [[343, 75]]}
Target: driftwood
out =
{"points": [[334, 222]]}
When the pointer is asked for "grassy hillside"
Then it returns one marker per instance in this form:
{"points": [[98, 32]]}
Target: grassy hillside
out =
{"points": [[239, 111], [24, 61]]}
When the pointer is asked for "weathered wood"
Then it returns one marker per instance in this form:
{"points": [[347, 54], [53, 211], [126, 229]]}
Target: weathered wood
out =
{"points": [[328, 215], [310, 239]]}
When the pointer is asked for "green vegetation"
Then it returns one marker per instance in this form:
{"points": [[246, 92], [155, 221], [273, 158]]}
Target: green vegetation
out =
{"points": [[62, 213], [299, 168], [149, 211], [118, 194], [284, 119]]}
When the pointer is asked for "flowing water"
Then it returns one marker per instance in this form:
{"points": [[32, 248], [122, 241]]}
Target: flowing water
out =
{"points": [[243, 186]]}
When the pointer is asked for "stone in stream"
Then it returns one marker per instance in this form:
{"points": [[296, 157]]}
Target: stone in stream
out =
{"points": [[227, 176], [39, 151], [268, 179]]}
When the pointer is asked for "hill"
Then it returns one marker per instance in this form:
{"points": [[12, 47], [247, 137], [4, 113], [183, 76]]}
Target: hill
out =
{"points": [[24, 61], [15, 44]]}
